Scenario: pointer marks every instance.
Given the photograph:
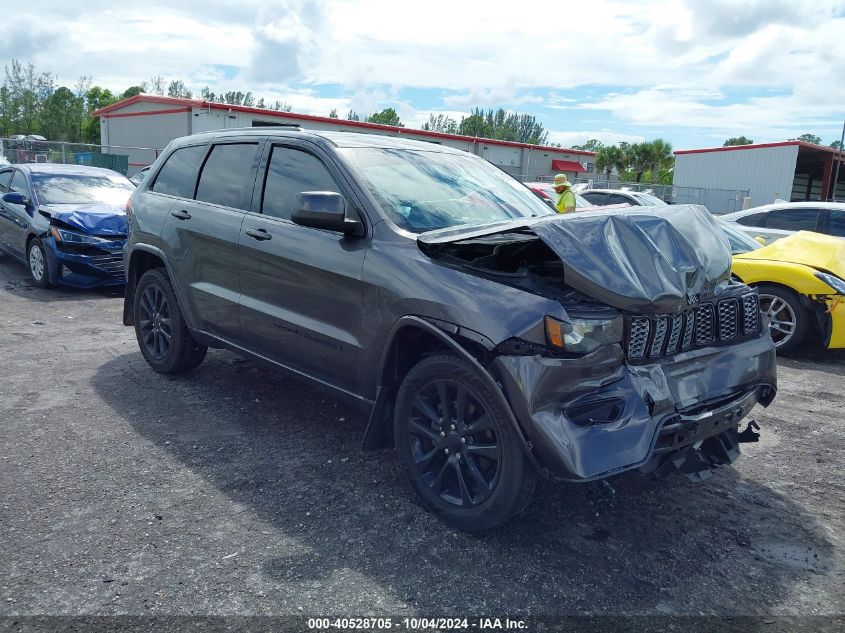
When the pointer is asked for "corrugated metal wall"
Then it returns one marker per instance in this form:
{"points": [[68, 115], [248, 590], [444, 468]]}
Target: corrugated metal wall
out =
{"points": [[767, 172]]}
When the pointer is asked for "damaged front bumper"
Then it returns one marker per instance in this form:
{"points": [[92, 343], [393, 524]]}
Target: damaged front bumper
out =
{"points": [[598, 415]]}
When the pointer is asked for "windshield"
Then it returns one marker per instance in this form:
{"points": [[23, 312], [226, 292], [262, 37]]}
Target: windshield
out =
{"points": [[65, 189], [423, 191], [648, 200], [739, 241]]}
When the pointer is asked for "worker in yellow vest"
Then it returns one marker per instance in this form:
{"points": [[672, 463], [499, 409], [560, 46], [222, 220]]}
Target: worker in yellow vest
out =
{"points": [[566, 201]]}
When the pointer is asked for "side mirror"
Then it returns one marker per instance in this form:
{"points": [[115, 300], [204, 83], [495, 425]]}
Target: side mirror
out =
{"points": [[16, 197], [761, 239], [324, 210]]}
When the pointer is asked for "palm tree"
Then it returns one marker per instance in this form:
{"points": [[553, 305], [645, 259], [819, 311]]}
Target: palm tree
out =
{"points": [[660, 156], [638, 158], [607, 158]]}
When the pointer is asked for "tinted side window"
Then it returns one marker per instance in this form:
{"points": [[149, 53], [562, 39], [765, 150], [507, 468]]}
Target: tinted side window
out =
{"points": [[595, 198], [228, 175], [616, 198], [176, 177], [755, 219], [793, 219], [5, 177], [289, 173], [837, 223], [20, 185]]}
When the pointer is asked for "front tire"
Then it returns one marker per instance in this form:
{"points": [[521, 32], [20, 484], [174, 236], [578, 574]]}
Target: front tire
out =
{"points": [[36, 257], [458, 448], [789, 320], [163, 336]]}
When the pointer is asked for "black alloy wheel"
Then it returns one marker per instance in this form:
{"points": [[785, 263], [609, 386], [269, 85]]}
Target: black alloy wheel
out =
{"points": [[453, 443], [459, 445], [155, 322]]}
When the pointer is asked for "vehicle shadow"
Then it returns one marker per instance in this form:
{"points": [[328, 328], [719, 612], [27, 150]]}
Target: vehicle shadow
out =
{"points": [[811, 356], [290, 455], [15, 279]]}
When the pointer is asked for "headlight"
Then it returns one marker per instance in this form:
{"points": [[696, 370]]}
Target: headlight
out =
{"points": [[71, 237], [583, 335], [833, 281]]}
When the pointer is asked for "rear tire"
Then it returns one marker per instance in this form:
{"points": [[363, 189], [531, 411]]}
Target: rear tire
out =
{"points": [[163, 336], [458, 448], [789, 320]]}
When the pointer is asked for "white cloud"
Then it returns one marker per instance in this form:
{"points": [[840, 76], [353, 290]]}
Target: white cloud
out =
{"points": [[608, 137]]}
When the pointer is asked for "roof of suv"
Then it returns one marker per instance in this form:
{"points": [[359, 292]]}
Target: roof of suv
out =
{"points": [[338, 139]]}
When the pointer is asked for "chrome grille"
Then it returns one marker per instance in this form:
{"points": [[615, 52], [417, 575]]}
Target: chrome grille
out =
{"points": [[750, 314], [728, 319], [660, 326], [707, 324], [638, 338]]}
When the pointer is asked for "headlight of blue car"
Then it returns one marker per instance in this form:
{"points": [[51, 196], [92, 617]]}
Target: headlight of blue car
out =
{"points": [[72, 237]]}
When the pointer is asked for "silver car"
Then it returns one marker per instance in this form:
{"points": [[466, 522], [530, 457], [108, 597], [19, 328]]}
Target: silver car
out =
{"points": [[774, 221]]}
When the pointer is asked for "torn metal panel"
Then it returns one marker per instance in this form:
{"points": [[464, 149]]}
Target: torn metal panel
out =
{"points": [[592, 416], [654, 260]]}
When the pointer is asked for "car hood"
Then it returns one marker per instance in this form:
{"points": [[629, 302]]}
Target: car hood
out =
{"points": [[822, 252], [93, 219], [643, 259]]}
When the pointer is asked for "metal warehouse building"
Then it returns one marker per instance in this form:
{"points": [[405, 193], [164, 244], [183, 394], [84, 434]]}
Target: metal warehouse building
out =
{"points": [[791, 170], [153, 121]]}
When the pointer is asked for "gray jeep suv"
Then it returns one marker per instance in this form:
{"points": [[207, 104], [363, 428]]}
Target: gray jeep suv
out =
{"points": [[492, 342]]}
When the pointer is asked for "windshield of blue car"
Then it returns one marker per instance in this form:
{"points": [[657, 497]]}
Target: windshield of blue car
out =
{"points": [[422, 191], [71, 189], [739, 241]]}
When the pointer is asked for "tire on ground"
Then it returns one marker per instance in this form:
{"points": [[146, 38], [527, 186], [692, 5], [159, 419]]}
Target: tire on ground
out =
{"points": [[184, 353], [516, 481], [803, 324]]}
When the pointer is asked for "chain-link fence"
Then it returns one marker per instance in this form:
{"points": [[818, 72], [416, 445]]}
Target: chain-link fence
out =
{"points": [[716, 200], [33, 149]]}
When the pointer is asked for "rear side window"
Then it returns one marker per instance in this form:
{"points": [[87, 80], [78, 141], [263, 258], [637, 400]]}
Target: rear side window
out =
{"points": [[755, 219], [596, 198], [228, 175], [616, 198], [289, 173], [793, 219], [176, 178], [837, 223]]}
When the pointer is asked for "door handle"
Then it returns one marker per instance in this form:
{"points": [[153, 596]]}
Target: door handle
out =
{"points": [[181, 214], [259, 234]]}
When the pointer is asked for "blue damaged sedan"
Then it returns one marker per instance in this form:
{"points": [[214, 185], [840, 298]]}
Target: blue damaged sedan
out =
{"points": [[67, 223]]}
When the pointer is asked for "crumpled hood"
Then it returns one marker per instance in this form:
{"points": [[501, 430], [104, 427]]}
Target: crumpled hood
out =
{"points": [[90, 218], [822, 252], [643, 259]]}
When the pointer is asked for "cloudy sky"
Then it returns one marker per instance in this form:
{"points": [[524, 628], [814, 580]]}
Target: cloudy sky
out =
{"points": [[692, 71]]}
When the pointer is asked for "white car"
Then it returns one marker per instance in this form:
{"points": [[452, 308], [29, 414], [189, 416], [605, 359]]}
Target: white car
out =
{"points": [[605, 197], [774, 221]]}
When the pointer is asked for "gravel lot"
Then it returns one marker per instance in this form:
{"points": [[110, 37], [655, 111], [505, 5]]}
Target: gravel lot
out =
{"points": [[238, 490]]}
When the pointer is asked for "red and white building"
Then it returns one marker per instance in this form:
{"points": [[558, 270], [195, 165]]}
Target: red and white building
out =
{"points": [[153, 121]]}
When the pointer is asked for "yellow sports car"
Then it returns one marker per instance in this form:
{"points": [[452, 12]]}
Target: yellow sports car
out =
{"points": [[801, 281]]}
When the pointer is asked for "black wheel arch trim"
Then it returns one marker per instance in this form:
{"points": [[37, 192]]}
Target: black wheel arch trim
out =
{"points": [[377, 435], [132, 282]]}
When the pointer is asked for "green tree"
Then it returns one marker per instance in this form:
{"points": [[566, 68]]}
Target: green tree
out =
{"points": [[608, 158], [60, 117], [27, 91], [177, 89], [352, 116], [474, 125], [333, 113], [387, 116], [638, 159], [441, 123], [660, 155], [836, 145], [808, 138], [737, 140], [95, 98], [505, 126], [133, 91], [593, 145], [155, 86]]}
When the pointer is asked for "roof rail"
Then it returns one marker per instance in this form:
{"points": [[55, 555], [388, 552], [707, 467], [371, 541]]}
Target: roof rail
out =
{"points": [[294, 126]]}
